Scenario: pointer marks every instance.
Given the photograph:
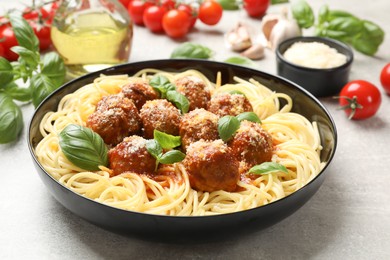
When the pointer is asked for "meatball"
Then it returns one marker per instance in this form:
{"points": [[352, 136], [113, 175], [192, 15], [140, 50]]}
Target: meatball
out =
{"points": [[139, 93], [194, 89], [131, 155], [161, 115], [251, 144], [229, 104], [196, 125], [211, 166], [115, 118]]}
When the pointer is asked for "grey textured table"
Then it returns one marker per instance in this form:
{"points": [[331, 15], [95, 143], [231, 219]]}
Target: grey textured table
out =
{"points": [[348, 218]]}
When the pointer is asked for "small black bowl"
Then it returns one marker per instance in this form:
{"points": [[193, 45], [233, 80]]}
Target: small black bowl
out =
{"points": [[158, 226], [319, 82]]}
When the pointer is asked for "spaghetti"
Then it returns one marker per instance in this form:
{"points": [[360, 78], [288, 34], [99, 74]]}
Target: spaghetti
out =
{"points": [[296, 140]]}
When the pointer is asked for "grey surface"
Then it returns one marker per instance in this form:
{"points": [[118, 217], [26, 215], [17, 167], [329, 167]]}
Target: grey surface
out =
{"points": [[348, 218]]}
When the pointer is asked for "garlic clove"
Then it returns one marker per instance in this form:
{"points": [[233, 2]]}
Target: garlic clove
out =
{"points": [[268, 22], [255, 52], [238, 39], [283, 30]]}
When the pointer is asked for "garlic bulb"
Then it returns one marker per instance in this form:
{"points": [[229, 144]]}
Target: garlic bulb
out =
{"points": [[277, 28], [238, 39]]}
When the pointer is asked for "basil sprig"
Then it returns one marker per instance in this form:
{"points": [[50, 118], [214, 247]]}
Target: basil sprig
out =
{"points": [[83, 147], [189, 50], [168, 91], [363, 35], [243, 61], [165, 141], [30, 78], [267, 168], [228, 125]]}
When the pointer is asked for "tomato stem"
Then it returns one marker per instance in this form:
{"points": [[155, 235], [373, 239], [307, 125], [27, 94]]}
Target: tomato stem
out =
{"points": [[353, 105]]}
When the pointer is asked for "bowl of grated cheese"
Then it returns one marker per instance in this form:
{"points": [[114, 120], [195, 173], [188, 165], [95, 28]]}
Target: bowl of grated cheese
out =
{"points": [[320, 65]]}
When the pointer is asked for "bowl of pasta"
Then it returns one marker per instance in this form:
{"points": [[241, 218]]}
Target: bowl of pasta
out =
{"points": [[181, 146]]}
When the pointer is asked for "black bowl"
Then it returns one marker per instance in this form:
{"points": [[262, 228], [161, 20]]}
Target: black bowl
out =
{"points": [[130, 222], [319, 82]]}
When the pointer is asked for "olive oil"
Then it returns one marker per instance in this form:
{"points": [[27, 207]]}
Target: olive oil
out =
{"points": [[91, 39]]}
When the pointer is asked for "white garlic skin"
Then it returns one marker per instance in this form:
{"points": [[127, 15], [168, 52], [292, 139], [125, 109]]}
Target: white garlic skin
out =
{"points": [[284, 29]]}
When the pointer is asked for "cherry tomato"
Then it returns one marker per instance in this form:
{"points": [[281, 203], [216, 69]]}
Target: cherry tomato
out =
{"points": [[256, 8], [176, 23], [1, 50], [8, 41], [153, 17], [193, 15], [210, 12], [35, 14], [385, 78], [360, 99], [52, 11], [136, 10], [43, 34], [168, 4]]}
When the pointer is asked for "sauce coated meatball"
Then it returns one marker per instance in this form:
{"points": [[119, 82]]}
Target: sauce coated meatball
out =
{"points": [[115, 118], [225, 104], [211, 166], [131, 155], [139, 93], [194, 90], [251, 144], [196, 125], [161, 115]]}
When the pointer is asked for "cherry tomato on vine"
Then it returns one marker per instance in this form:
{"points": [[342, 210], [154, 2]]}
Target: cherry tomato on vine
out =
{"points": [[153, 16], [168, 4], [256, 8], [360, 99], [35, 14], [192, 13], [176, 23], [43, 34], [136, 10], [385, 78], [210, 12], [8, 41]]}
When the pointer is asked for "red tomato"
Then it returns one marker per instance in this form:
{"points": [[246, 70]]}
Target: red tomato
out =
{"points": [[210, 12], [43, 34], [136, 10], [8, 41], [176, 23], [256, 8], [52, 11], [153, 17], [35, 14], [168, 4], [385, 78], [125, 3], [360, 99], [193, 15], [1, 50]]}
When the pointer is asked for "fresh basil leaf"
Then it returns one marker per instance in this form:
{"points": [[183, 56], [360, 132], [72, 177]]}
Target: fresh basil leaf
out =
{"points": [[229, 4], [370, 38], [241, 60], [41, 87], [180, 101], [303, 14], [275, 2], [31, 58], [235, 92], [6, 72], [18, 93], [154, 148], [267, 168], [11, 119], [162, 85], [83, 147], [166, 141], [54, 68], [172, 156], [227, 126], [191, 50], [23, 32], [347, 27], [249, 116], [333, 14], [323, 14]]}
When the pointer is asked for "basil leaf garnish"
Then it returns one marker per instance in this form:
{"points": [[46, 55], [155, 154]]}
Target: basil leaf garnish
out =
{"points": [[41, 87], [227, 126], [11, 119], [180, 101], [189, 50], [249, 116], [267, 168], [166, 141], [241, 60], [154, 148], [6, 72], [83, 147], [172, 156]]}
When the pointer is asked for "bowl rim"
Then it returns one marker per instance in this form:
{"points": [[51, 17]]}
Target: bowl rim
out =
{"points": [[348, 52], [31, 147]]}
